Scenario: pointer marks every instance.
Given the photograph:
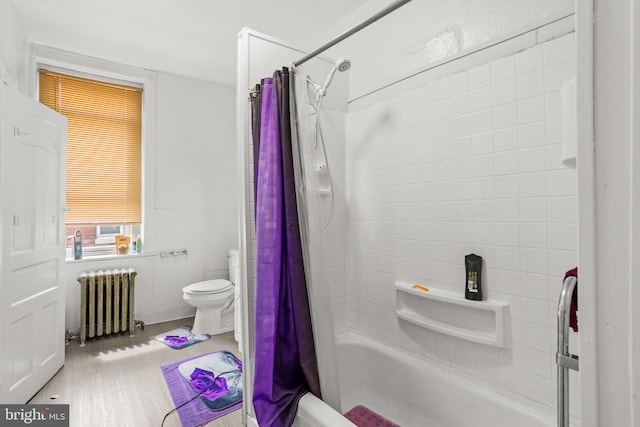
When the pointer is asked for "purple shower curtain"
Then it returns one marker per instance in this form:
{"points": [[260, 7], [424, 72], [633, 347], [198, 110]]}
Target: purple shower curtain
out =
{"points": [[285, 360]]}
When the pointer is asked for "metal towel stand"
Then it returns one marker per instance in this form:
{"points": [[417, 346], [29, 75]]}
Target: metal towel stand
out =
{"points": [[564, 359]]}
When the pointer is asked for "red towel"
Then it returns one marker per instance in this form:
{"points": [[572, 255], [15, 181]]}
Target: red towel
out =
{"points": [[573, 318]]}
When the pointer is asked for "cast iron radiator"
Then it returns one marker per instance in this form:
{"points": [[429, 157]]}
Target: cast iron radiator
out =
{"points": [[107, 303]]}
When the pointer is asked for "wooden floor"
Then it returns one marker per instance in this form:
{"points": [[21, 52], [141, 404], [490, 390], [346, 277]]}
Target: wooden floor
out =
{"points": [[116, 381]]}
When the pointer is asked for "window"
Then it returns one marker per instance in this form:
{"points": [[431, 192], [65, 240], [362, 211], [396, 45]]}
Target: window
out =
{"points": [[104, 149], [106, 234]]}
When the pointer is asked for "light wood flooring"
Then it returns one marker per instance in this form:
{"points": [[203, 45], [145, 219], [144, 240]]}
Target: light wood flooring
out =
{"points": [[116, 381]]}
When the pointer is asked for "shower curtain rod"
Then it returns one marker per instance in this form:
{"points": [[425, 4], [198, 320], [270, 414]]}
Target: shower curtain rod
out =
{"points": [[387, 10]]}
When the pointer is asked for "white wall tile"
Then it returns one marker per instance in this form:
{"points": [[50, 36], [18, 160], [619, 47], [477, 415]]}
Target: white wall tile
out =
{"points": [[553, 104], [563, 236], [561, 261], [530, 85], [467, 163], [531, 110], [508, 258], [438, 90], [529, 60], [505, 116], [506, 186], [562, 183], [533, 260], [533, 209], [480, 99], [557, 75], [503, 69], [533, 235], [534, 285], [459, 83], [511, 378], [505, 162], [507, 234], [563, 209], [480, 76], [505, 139], [504, 92], [483, 187], [538, 388], [534, 311], [532, 159], [559, 50], [553, 130], [508, 282], [459, 105], [531, 135], [482, 143], [537, 363], [531, 335], [554, 157], [532, 184], [481, 121], [506, 210]]}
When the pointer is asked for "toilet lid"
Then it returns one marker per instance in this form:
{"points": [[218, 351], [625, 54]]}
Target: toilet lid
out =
{"points": [[209, 286]]}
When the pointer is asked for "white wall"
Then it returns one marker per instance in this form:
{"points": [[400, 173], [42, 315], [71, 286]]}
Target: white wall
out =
{"points": [[468, 163], [190, 171], [14, 48], [190, 200], [424, 32]]}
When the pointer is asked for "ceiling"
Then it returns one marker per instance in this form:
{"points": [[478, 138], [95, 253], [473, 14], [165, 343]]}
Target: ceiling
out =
{"points": [[194, 38]]}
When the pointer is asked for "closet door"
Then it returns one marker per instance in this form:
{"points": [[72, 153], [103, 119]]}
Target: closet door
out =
{"points": [[32, 196]]}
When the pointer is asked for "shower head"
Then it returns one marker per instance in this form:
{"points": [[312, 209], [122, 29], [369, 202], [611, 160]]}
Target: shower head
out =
{"points": [[341, 64]]}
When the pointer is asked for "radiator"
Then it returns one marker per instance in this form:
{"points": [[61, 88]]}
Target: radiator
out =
{"points": [[107, 303]]}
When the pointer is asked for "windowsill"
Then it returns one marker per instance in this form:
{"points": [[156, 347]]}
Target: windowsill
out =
{"points": [[109, 257]]}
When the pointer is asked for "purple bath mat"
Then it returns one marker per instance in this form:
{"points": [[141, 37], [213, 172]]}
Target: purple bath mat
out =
{"points": [[181, 338], [365, 417], [205, 387]]}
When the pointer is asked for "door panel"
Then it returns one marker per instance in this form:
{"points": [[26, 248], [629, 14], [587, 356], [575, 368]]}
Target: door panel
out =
{"points": [[32, 156], [24, 196], [51, 214]]}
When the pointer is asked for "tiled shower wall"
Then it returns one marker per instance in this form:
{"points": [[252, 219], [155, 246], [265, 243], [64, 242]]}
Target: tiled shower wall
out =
{"points": [[468, 164]]}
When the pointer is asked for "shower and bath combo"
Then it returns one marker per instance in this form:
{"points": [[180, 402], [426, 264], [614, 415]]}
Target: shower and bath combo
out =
{"points": [[342, 65]]}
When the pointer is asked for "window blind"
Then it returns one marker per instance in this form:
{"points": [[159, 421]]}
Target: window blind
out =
{"points": [[103, 147]]}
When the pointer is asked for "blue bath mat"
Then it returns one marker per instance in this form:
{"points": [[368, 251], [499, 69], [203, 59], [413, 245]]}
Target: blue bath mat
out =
{"points": [[181, 338], [205, 387]]}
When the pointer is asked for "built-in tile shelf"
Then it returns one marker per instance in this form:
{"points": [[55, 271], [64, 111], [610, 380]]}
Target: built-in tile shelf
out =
{"points": [[484, 322]]}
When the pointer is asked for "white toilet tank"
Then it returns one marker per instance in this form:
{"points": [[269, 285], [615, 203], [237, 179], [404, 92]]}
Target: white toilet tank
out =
{"points": [[234, 277]]}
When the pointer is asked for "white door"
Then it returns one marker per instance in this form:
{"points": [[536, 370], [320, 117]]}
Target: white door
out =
{"points": [[32, 197]]}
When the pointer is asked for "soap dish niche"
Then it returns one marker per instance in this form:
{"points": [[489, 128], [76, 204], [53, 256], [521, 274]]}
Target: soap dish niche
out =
{"points": [[484, 322]]}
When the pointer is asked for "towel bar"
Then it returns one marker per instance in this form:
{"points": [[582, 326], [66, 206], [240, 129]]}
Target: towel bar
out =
{"points": [[564, 359]]}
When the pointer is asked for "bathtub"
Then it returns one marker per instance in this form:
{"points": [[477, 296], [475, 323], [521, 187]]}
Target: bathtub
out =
{"points": [[412, 393]]}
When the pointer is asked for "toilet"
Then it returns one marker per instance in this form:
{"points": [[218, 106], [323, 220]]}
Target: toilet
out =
{"points": [[215, 301]]}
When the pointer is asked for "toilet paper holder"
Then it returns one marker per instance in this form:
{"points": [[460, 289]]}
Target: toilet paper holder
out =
{"points": [[175, 252]]}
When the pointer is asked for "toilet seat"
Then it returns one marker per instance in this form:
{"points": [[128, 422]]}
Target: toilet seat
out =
{"points": [[208, 287]]}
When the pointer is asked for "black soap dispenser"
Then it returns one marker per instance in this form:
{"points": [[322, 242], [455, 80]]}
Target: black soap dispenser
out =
{"points": [[473, 286]]}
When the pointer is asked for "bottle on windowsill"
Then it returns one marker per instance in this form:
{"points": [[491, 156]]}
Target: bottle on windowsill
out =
{"points": [[77, 245]]}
